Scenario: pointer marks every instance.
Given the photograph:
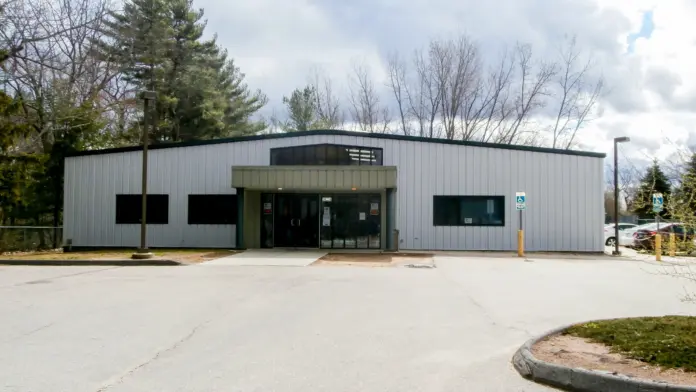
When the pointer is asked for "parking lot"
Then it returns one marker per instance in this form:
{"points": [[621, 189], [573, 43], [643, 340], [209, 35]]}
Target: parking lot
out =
{"points": [[318, 328]]}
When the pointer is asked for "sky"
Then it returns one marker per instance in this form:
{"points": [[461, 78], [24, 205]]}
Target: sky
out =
{"points": [[645, 50]]}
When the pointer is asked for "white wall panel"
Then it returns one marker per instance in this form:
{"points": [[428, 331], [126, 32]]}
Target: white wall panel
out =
{"points": [[564, 192]]}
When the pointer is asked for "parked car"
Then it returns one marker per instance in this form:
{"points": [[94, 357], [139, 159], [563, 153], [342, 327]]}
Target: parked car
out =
{"points": [[626, 235], [645, 238], [609, 234]]}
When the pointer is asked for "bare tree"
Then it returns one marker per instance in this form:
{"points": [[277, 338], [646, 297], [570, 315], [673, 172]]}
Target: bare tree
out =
{"points": [[628, 183], [496, 106], [531, 89], [456, 67], [328, 107], [426, 103], [577, 96], [366, 110], [57, 70], [398, 84]]}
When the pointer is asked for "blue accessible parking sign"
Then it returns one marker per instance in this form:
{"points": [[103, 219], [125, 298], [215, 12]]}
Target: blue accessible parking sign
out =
{"points": [[658, 202], [521, 201]]}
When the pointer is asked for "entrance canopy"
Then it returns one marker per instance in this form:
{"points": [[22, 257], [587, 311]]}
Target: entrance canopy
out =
{"points": [[314, 177]]}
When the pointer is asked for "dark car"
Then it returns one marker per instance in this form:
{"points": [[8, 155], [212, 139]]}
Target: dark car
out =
{"points": [[645, 239]]}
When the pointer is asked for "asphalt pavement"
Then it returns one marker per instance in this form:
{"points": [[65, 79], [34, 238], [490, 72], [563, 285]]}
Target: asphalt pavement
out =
{"points": [[298, 329]]}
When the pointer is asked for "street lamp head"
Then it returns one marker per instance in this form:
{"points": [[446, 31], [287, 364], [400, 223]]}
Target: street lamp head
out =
{"points": [[148, 95], [622, 139]]}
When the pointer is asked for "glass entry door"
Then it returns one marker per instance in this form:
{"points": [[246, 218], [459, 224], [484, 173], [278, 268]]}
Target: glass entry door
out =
{"points": [[351, 221], [296, 220]]}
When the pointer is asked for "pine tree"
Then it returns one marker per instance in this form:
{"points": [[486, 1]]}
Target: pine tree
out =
{"points": [[200, 94], [654, 181], [301, 109]]}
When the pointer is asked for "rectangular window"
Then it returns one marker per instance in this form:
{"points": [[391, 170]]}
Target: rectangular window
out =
{"points": [[469, 210], [326, 154], [129, 209], [212, 209]]}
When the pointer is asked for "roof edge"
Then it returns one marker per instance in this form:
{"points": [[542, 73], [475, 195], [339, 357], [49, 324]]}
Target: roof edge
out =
{"points": [[335, 132]]}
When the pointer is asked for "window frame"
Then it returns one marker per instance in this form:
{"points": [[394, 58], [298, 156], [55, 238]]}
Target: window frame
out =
{"points": [[500, 202], [377, 152], [234, 220], [150, 202]]}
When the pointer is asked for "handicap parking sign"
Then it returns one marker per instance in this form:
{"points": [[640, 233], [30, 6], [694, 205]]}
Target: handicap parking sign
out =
{"points": [[520, 201], [658, 202]]}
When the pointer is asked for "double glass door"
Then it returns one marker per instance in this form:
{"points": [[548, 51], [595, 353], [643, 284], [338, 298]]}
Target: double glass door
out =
{"points": [[344, 221], [296, 220]]}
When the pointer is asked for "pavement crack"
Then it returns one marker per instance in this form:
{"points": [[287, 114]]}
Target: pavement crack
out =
{"points": [[495, 323], [48, 280], [154, 358], [33, 331]]}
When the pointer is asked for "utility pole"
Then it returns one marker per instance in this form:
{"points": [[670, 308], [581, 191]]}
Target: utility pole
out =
{"points": [[617, 140], [143, 252]]}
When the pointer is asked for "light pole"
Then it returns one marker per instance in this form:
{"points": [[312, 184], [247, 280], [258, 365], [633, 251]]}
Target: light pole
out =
{"points": [[617, 140], [143, 252]]}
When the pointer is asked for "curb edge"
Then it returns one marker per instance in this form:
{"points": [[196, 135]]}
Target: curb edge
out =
{"points": [[579, 379]]}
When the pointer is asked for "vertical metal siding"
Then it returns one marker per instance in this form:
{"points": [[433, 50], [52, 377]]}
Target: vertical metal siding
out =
{"points": [[565, 193]]}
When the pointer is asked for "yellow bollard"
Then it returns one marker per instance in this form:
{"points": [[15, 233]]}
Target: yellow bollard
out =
{"points": [[672, 244], [658, 247], [520, 243]]}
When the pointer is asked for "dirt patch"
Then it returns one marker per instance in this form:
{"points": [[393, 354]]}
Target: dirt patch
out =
{"points": [[372, 259], [188, 256], [578, 352]]}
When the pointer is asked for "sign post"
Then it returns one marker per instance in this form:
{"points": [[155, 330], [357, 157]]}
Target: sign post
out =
{"points": [[658, 202], [520, 205]]}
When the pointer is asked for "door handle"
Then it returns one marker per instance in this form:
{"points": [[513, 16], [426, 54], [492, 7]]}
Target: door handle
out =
{"points": [[292, 222], [298, 222]]}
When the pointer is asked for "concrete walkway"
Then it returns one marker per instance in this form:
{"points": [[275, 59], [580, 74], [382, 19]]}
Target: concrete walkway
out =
{"points": [[270, 257]]}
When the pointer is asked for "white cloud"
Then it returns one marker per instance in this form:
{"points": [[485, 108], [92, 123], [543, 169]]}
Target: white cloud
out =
{"points": [[651, 95]]}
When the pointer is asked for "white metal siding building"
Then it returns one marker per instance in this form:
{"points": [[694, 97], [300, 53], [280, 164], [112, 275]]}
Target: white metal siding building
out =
{"points": [[564, 190]]}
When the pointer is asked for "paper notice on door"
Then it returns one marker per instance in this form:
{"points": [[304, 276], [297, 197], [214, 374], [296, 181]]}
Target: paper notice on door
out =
{"points": [[326, 220], [362, 216]]}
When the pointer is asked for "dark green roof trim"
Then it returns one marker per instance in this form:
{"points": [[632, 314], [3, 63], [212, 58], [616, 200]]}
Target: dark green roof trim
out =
{"points": [[333, 132]]}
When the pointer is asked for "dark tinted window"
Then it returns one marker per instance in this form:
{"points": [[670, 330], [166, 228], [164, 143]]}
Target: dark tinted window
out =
{"points": [[212, 209], [327, 154], [129, 209], [468, 210]]}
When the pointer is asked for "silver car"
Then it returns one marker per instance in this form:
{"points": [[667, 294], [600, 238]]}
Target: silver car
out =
{"points": [[609, 234]]}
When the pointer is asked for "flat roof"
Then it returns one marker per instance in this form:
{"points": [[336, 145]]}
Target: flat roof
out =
{"points": [[334, 132]]}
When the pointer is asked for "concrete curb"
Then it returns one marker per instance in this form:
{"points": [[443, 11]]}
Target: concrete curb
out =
{"points": [[578, 379], [102, 263]]}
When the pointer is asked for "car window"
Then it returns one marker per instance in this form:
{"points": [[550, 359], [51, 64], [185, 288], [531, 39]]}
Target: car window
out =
{"points": [[625, 226]]}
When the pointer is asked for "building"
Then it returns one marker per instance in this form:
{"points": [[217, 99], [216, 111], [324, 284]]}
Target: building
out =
{"points": [[337, 189]]}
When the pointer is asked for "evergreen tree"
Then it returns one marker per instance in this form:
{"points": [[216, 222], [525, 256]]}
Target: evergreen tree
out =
{"points": [[16, 169], [200, 94], [654, 181], [301, 109]]}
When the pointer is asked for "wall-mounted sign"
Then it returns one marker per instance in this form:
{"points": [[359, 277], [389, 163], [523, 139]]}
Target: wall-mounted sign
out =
{"points": [[362, 216], [374, 208], [267, 208], [326, 220]]}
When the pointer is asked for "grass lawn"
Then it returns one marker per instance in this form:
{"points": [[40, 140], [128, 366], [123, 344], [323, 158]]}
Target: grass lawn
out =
{"points": [[181, 255], [669, 341]]}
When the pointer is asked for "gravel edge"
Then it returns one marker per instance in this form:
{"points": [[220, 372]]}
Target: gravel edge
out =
{"points": [[578, 379]]}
